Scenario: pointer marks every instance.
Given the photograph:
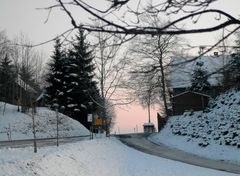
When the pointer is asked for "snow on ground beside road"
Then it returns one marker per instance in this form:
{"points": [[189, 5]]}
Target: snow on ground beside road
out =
{"points": [[102, 157], [19, 125], [214, 133]]}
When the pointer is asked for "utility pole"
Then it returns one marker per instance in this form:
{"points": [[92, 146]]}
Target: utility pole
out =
{"points": [[91, 113], [34, 131], [57, 126]]}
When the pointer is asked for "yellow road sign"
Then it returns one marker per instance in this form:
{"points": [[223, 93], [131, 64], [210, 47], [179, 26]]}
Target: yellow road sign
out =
{"points": [[98, 122]]}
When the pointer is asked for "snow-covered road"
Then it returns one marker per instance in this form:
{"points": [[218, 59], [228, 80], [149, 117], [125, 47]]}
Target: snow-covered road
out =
{"points": [[140, 142]]}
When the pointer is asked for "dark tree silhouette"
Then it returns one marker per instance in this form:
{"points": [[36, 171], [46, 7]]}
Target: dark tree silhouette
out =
{"points": [[7, 77], [82, 87], [55, 90]]}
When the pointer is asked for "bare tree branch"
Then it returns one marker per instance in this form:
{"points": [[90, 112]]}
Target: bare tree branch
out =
{"points": [[209, 49], [121, 26]]}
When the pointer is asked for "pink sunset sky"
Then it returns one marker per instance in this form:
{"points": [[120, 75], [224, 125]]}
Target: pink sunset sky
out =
{"points": [[130, 119]]}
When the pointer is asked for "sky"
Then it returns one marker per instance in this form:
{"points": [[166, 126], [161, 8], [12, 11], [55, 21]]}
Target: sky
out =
{"points": [[23, 17]]}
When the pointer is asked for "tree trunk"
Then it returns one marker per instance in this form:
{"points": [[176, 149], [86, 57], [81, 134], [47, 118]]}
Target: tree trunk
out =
{"points": [[34, 132], [162, 78], [149, 113]]}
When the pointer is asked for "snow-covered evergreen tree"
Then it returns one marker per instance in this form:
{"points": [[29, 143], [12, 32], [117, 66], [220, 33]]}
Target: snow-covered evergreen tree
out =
{"points": [[56, 89], [231, 74], [7, 77], [234, 69], [199, 81], [70, 79], [82, 89], [26, 74], [232, 79]]}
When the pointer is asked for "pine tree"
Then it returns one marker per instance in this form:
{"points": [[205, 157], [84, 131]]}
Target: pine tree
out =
{"points": [[6, 79], [26, 74], [199, 78], [56, 89], [70, 79], [227, 80], [235, 69], [72, 83], [231, 74], [82, 89]]}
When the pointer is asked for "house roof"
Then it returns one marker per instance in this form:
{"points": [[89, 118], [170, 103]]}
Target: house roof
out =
{"points": [[202, 94], [180, 75], [148, 124], [24, 85]]}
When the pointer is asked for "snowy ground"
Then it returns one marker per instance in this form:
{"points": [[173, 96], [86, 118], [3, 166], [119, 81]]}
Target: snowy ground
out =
{"points": [[103, 157], [200, 133], [16, 125], [214, 133]]}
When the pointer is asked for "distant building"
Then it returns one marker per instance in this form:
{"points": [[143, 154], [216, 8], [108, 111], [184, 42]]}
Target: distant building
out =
{"points": [[161, 121], [148, 127], [189, 101], [24, 94], [180, 81]]}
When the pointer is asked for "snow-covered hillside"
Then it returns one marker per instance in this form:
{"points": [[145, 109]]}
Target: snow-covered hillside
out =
{"points": [[213, 133], [17, 125]]}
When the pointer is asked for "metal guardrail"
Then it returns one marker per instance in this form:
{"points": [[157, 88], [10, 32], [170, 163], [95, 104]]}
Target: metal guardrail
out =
{"points": [[42, 141], [39, 139]]}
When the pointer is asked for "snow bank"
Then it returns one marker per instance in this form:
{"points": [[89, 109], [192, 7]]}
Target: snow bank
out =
{"points": [[213, 133], [17, 125], [98, 157]]}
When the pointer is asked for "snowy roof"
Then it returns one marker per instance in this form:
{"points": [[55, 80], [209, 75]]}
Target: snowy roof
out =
{"points": [[40, 96], [24, 85], [180, 75], [148, 124], [205, 95]]}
